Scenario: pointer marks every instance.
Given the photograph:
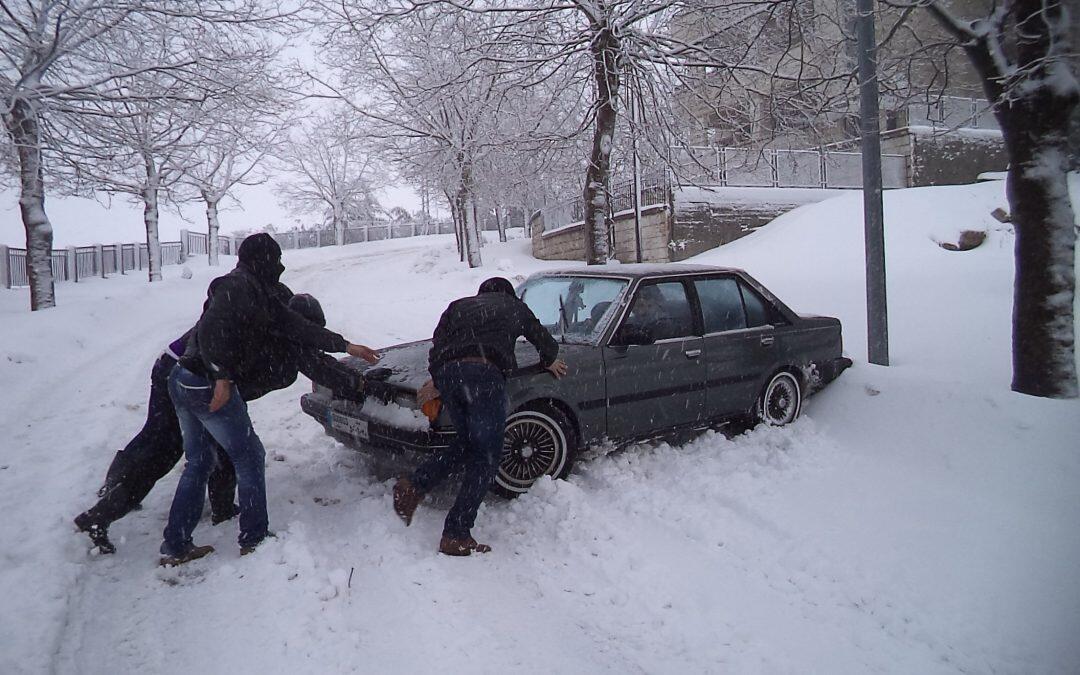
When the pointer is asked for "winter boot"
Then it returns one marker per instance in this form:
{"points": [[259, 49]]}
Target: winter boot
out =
{"points": [[458, 547], [248, 549], [406, 499], [99, 534], [194, 553]]}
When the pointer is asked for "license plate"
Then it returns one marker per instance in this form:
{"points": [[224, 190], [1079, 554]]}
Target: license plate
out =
{"points": [[349, 425]]}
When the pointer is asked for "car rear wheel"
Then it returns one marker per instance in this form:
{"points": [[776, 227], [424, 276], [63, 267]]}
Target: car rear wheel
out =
{"points": [[536, 443], [781, 400]]}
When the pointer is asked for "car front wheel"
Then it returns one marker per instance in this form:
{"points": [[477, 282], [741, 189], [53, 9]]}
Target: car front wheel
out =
{"points": [[536, 443], [780, 401]]}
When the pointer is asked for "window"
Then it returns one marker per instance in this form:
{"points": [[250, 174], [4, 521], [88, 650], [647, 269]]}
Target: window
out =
{"points": [[580, 305], [721, 304], [662, 309], [758, 311]]}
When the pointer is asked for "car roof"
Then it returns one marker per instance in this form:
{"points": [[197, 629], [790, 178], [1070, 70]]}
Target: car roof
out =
{"points": [[636, 270]]}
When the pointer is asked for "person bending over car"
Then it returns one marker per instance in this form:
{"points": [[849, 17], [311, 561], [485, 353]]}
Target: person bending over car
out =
{"points": [[471, 353], [158, 446], [241, 318]]}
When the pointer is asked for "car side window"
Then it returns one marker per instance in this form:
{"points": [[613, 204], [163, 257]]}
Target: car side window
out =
{"points": [[721, 304], [758, 311], [663, 309]]}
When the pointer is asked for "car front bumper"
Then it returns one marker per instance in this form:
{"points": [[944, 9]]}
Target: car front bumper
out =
{"points": [[345, 422]]}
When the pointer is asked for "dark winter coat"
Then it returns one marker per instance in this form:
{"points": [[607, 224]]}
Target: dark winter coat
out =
{"points": [[487, 325], [243, 316]]}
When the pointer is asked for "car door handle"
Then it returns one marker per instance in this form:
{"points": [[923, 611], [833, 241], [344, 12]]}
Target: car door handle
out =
{"points": [[767, 340], [692, 353]]}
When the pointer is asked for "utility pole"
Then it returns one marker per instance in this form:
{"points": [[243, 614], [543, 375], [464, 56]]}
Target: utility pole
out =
{"points": [[634, 131], [877, 315]]}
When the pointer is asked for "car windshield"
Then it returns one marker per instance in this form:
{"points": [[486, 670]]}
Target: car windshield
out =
{"points": [[574, 309]]}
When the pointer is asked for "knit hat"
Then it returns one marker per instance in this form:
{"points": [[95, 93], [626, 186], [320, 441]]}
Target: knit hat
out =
{"points": [[308, 307]]}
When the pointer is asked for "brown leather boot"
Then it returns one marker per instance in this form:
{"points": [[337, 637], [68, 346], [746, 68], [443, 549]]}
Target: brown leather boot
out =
{"points": [[195, 553], [448, 546], [406, 499]]}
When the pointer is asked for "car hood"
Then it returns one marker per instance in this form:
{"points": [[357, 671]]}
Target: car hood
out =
{"points": [[408, 364]]}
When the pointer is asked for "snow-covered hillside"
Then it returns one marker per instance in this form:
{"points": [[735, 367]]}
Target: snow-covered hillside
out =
{"points": [[917, 519]]}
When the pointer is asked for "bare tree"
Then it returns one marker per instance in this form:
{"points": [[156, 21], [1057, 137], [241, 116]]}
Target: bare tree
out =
{"points": [[51, 59], [442, 92], [661, 48], [233, 147], [331, 170], [1022, 50], [142, 140]]}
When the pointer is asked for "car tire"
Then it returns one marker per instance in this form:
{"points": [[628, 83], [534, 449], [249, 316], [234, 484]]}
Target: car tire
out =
{"points": [[781, 400], [538, 442]]}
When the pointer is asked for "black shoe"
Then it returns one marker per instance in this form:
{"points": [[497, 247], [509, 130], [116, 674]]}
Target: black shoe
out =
{"points": [[247, 549], [194, 553], [99, 534], [218, 518]]}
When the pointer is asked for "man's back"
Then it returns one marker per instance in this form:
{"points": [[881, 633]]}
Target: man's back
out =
{"points": [[486, 326]]}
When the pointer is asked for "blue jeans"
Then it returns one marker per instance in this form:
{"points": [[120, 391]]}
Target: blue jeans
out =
{"points": [[475, 397], [231, 428]]}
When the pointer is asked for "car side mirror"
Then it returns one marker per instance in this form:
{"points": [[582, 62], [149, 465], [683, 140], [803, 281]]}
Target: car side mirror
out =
{"points": [[633, 334]]}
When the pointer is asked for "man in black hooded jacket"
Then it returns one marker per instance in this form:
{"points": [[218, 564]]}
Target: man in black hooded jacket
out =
{"points": [[224, 355], [158, 446], [472, 351]]}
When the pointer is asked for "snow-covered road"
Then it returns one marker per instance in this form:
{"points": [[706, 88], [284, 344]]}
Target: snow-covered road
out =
{"points": [[917, 519]]}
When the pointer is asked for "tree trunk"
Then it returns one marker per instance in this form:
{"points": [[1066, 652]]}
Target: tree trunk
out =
{"points": [[1034, 114], [466, 206], [455, 216], [150, 218], [605, 52], [470, 235], [1043, 339], [23, 125], [500, 223], [212, 227]]}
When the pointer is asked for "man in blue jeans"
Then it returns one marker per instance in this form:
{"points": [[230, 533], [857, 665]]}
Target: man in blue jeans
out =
{"points": [[471, 353], [226, 351]]}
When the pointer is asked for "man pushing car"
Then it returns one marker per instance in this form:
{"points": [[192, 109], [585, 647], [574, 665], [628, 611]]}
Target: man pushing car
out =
{"points": [[472, 351]]}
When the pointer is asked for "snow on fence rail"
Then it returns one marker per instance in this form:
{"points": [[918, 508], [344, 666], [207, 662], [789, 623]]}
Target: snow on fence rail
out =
{"points": [[76, 263], [83, 262]]}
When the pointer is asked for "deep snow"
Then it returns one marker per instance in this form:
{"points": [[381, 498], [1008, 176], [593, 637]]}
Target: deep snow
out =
{"points": [[917, 519]]}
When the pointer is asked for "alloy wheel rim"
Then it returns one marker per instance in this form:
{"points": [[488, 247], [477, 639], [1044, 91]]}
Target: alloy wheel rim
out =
{"points": [[781, 401], [533, 446]]}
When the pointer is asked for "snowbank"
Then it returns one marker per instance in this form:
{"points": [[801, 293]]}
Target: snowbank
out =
{"points": [[918, 519]]}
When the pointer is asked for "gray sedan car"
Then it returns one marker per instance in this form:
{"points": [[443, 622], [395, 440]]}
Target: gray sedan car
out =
{"points": [[652, 350]]}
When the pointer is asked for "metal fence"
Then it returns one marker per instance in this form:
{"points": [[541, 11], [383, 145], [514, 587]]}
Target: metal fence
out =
{"points": [[374, 231], [951, 112], [741, 167], [76, 263], [735, 167]]}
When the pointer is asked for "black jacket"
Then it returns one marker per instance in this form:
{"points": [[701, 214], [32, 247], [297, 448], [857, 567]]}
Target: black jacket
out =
{"points": [[241, 320], [487, 325], [284, 359]]}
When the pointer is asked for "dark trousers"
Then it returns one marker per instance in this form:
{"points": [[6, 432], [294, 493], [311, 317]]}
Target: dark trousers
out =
{"points": [[475, 398], [204, 431], [151, 454]]}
